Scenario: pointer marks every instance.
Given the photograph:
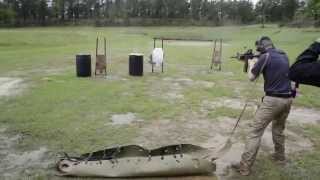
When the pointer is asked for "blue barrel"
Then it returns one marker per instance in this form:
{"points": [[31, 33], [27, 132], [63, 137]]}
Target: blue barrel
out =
{"points": [[136, 64], [83, 63]]}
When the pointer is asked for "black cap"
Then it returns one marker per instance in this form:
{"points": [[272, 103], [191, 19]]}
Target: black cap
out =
{"points": [[263, 38], [264, 42]]}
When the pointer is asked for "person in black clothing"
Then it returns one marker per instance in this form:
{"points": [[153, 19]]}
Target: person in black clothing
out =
{"points": [[306, 70]]}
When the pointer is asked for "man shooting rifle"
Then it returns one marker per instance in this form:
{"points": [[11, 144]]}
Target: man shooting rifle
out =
{"points": [[275, 107]]}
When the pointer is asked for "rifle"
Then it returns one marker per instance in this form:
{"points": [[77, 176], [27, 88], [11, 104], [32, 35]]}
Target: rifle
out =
{"points": [[245, 57]]}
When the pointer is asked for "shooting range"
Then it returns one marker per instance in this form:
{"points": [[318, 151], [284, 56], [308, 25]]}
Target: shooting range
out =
{"points": [[140, 90]]}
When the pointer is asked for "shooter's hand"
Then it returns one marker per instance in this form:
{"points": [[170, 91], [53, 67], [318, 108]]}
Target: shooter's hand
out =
{"points": [[251, 64]]}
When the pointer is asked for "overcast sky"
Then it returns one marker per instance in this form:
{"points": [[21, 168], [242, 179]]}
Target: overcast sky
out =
{"points": [[254, 1]]}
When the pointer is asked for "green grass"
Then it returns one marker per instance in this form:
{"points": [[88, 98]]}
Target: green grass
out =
{"points": [[65, 113]]}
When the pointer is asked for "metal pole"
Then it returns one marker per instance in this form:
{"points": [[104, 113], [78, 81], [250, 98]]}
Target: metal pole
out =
{"points": [[97, 45], [162, 44], [105, 54], [163, 56]]}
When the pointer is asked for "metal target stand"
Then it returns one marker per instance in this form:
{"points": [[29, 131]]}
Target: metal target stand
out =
{"points": [[101, 59], [216, 60], [217, 55], [154, 46]]}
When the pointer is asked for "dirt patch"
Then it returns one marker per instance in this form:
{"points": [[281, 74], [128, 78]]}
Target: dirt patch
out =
{"points": [[9, 86], [115, 78], [16, 163], [211, 134], [172, 89], [231, 157], [227, 73], [232, 103], [167, 90], [40, 70], [164, 132], [124, 119], [205, 84], [294, 142], [297, 116], [304, 116], [222, 102]]}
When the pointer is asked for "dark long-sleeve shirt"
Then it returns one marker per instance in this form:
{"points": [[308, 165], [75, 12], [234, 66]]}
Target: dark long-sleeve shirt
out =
{"points": [[275, 71], [306, 70]]}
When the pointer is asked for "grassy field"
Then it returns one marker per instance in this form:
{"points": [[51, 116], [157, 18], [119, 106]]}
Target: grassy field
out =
{"points": [[64, 113]]}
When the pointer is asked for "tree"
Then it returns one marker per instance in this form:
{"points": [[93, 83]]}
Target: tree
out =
{"points": [[270, 10], [132, 8], [314, 10], [145, 8], [43, 11], [195, 9], [245, 11], [288, 9], [40, 12], [59, 9], [213, 12], [7, 16]]}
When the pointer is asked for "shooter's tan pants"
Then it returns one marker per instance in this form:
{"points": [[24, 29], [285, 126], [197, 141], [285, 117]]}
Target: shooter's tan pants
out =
{"points": [[272, 109]]}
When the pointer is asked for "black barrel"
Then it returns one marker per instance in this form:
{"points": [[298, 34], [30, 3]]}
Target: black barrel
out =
{"points": [[83, 62], [136, 64]]}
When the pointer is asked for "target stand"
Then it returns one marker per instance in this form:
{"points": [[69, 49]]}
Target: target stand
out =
{"points": [[101, 59], [217, 55], [151, 60], [216, 60]]}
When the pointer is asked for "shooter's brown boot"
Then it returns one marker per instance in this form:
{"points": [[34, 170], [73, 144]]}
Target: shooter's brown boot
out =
{"points": [[242, 168], [279, 159]]}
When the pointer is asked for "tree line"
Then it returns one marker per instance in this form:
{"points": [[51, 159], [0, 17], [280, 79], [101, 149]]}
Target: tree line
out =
{"points": [[155, 12]]}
